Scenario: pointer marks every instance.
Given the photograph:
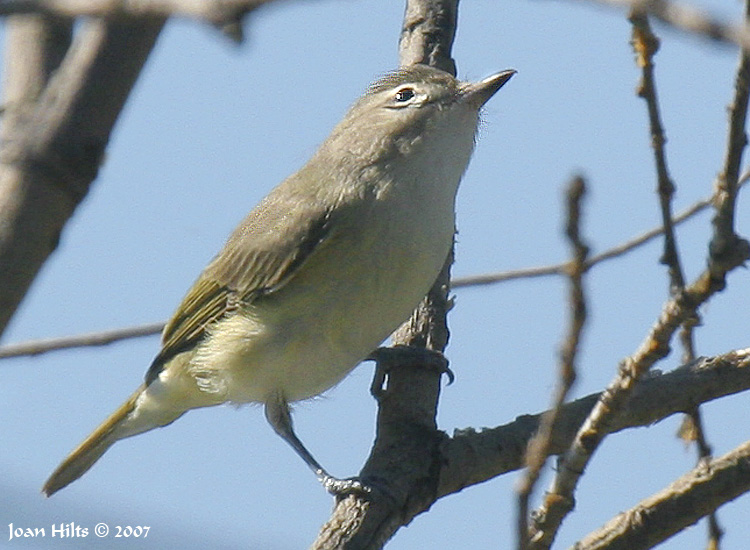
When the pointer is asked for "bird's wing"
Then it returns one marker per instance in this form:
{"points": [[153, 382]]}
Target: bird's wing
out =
{"points": [[263, 253]]}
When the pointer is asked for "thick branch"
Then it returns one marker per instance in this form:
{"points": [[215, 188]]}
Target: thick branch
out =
{"points": [[427, 34], [226, 15], [36, 45], [55, 151], [681, 504], [471, 457], [219, 13]]}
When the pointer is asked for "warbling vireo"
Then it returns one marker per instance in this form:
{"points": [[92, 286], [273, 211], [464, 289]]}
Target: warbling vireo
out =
{"points": [[321, 271]]}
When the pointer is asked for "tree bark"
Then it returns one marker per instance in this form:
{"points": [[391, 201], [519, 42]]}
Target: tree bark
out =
{"points": [[55, 133]]}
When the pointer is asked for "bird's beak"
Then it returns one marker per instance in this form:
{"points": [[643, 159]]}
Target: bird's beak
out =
{"points": [[478, 93]]}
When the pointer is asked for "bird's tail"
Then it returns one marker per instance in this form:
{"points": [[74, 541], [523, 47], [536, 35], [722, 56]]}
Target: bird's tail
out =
{"points": [[93, 447]]}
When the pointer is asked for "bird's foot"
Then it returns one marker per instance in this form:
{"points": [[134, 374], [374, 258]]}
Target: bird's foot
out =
{"points": [[341, 487], [410, 356]]}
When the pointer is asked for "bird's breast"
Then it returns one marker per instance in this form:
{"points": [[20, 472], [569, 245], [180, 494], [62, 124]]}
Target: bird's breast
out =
{"points": [[360, 283]]}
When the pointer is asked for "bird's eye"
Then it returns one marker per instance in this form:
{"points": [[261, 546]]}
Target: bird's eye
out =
{"points": [[404, 95]]}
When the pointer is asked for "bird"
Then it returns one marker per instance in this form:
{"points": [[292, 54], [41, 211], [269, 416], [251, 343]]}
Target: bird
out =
{"points": [[320, 272]]}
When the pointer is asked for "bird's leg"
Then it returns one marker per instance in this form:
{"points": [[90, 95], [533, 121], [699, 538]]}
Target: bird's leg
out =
{"points": [[280, 418], [386, 358]]}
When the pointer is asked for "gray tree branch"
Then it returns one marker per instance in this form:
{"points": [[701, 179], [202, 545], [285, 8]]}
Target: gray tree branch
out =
{"points": [[52, 148], [686, 18], [217, 12], [688, 499], [98, 338], [726, 251], [645, 45], [222, 13], [725, 244], [226, 15], [470, 456]]}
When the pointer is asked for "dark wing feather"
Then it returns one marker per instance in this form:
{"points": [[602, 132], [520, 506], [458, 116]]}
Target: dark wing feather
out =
{"points": [[262, 254]]}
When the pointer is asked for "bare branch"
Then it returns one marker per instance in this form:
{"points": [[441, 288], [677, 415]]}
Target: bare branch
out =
{"points": [[101, 338], [559, 501], [646, 44], [49, 165], [36, 45], [678, 506], [725, 245], [225, 14], [221, 13], [687, 19], [559, 269], [471, 457], [725, 242], [427, 34], [539, 446], [692, 430]]}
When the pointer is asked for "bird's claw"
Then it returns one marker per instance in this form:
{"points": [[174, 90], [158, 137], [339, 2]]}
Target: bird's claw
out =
{"points": [[385, 358], [340, 487]]}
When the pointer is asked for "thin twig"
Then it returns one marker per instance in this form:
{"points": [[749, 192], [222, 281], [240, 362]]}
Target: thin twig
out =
{"points": [[539, 447], [725, 243], [645, 44], [687, 19], [559, 269], [691, 430], [100, 338], [614, 252], [559, 500], [724, 235], [683, 306]]}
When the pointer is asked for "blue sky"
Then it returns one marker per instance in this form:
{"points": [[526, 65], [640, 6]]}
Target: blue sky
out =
{"points": [[212, 127]]}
